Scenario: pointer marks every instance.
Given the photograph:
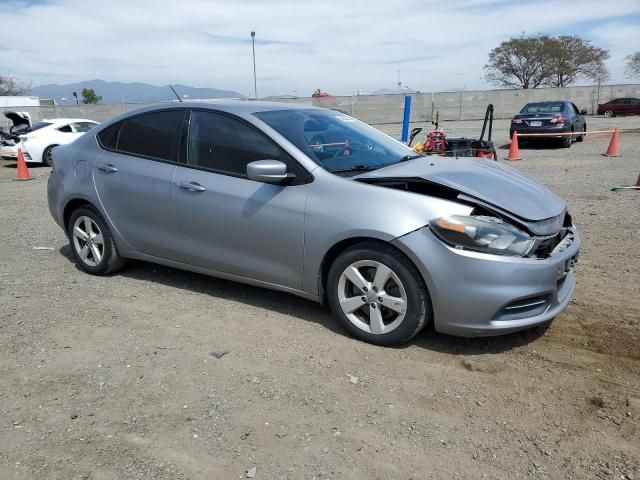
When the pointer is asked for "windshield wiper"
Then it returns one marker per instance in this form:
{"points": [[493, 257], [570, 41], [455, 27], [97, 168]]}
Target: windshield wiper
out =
{"points": [[406, 158], [355, 168]]}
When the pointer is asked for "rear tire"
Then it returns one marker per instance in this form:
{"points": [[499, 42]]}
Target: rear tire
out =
{"points": [[92, 243], [581, 137], [47, 155], [387, 304], [567, 141]]}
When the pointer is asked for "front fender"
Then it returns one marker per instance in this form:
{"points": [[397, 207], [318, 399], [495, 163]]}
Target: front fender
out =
{"points": [[338, 209]]}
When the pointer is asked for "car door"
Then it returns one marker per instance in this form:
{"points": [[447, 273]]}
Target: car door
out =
{"points": [[619, 106], [635, 106], [232, 224], [133, 177], [578, 118]]}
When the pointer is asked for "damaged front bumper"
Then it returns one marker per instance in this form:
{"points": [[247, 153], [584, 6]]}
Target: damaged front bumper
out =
{"points": [[479, 294]]}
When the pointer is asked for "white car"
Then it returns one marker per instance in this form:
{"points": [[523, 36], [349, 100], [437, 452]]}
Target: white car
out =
{"points": [[38, 144]]}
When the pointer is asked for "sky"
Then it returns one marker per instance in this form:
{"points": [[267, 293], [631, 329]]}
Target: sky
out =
{"points": [[341, 47]]}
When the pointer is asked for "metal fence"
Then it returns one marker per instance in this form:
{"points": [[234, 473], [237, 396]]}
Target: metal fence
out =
{"points": [[386, 109]]}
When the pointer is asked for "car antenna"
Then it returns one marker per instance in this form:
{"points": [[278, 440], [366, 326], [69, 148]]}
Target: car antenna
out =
{"points": [[175, 93]]}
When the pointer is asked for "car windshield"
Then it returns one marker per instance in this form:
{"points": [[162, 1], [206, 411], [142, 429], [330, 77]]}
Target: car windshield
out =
{"points": [[335, 141], [543, 108]]}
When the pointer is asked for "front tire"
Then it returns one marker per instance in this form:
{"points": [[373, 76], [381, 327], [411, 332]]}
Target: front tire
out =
{"points": [[609, 114], [47, 156], [377, 294], [92, 243]]}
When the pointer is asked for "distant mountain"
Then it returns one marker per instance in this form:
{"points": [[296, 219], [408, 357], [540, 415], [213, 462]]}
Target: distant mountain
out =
{"points": [[115, 92]]}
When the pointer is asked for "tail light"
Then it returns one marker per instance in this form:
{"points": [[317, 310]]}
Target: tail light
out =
{"points": [[559, 119], [516, 120]]}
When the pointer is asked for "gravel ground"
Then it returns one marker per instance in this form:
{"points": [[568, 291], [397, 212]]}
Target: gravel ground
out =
{"points": [[116, 378]]}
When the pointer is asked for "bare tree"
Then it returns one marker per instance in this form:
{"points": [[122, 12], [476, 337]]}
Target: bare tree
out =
{"points": [[573, 58], [11, 86], [633, 65]]}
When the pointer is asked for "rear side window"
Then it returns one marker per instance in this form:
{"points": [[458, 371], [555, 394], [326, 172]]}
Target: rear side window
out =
{"points": [[150, 134], [65, 129], [109, 136], [227, 145], [83, 126]]}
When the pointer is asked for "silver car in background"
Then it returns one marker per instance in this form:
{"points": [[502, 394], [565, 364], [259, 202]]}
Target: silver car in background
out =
{"points": [[316, 203]]}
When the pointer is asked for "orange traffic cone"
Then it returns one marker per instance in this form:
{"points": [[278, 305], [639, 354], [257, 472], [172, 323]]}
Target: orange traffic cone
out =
{"points": [[613, 150], [22, 172], [514, 153]]}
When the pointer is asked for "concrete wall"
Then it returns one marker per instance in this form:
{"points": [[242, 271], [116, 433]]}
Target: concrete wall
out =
{"points": [[384, 109]]}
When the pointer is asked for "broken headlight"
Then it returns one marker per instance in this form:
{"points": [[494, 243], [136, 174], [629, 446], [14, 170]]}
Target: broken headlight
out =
{"points": [[482, 234]]}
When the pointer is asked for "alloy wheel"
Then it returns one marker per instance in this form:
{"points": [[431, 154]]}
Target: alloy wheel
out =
{"points": [[88, 241], [372, 297], [48, 156]]}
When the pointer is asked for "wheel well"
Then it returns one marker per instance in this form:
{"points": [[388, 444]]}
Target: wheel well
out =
{"points": [[50, 146], [333, 253], [70, 207]]}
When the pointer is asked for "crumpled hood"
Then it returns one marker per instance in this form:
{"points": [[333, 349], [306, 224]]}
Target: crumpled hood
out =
{"points": [[488, 181]]}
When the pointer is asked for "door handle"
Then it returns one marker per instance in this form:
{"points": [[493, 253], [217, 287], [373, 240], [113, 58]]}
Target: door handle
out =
{"points": [[107, 168], [192, 186]]}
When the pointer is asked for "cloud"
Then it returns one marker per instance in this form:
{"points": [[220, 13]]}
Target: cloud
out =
{"points": [[334, 45]]}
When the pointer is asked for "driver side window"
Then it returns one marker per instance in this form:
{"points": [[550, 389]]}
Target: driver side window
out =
{"points": [[226, 145]]}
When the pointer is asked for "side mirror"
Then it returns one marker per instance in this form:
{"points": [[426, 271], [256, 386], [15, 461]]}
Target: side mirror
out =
{"points": [[269, 171], [583, 112]]}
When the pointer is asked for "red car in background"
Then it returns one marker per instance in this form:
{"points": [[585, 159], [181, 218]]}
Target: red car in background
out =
{"points": [[620, 106]]}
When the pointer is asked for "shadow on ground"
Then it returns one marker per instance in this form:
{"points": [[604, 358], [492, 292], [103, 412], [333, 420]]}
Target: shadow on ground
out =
{"points": [[306, 310], [13, 165], [535, 145]]}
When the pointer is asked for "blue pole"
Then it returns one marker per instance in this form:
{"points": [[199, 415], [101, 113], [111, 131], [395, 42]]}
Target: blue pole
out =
{"points": [[405, 120]]}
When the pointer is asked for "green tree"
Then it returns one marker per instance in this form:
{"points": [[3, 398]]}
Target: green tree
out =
{"points": [[573, 58], [633, 64], [519, 62], [11, 86], [535, 60], [89, 96]]}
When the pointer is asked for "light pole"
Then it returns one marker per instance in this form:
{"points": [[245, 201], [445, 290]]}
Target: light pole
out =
{"points": [[253, 48]]}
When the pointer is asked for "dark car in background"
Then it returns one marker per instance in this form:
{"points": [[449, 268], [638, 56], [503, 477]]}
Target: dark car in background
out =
{"points": [[551, 117], [620, 106]]}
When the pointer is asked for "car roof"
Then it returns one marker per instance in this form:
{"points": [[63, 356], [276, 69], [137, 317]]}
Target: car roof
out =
{"points": [[57, 121], [548, 101], [230, 106], [242, 108], [246, 106]]}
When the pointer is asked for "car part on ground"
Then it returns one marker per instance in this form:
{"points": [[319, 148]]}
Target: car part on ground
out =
{"points": [[389, 239]]}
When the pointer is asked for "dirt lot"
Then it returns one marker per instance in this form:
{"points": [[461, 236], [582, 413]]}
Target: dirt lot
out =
{"points": [[114, 378]]}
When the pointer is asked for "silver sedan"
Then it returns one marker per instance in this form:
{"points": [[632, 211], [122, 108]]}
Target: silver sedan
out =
{"points": [[316, 203]]}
